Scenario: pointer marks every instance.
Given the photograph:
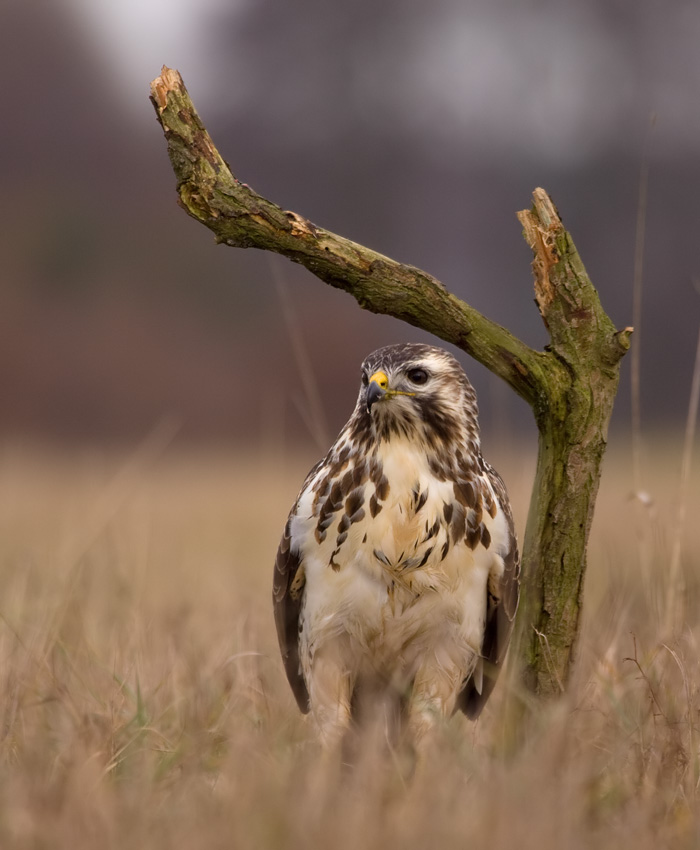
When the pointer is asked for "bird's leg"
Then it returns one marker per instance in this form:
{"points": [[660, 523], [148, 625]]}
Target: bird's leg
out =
{"points": [[432, 699], [330, 692]]}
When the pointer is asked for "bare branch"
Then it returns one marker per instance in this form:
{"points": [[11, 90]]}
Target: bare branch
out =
{"points": [[241, 218], [571, 386]]}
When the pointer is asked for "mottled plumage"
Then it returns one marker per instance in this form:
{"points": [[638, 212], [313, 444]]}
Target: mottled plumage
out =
{"points": [[396, 579]]}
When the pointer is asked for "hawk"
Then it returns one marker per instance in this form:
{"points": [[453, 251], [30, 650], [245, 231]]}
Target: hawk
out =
{"points": [[397, 576]]}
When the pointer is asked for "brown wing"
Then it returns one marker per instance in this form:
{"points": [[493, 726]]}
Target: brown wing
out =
{"points": [[502, 604], [287, 592]]}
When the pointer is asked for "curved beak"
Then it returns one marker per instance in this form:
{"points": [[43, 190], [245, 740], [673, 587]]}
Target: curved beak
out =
{"points": [[374, 393], [378, 385]]}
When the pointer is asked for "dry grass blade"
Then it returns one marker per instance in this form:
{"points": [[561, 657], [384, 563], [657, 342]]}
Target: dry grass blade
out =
{"points": [[636, 353], [312, 410], [160, 716], [675, 607]]}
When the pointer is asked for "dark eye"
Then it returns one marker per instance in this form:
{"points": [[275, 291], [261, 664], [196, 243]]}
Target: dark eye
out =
{"points": [[417, 376], [365, 379]]}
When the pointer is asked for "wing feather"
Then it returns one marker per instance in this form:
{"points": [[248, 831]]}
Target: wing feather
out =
{"points": [[503, 594], [287, 600], [287, 596]]}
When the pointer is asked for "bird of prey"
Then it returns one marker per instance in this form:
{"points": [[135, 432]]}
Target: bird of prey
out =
{"points": [[397, 576]]}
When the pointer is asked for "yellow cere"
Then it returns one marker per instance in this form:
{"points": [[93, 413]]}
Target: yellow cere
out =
{"points": [[381, 379]]}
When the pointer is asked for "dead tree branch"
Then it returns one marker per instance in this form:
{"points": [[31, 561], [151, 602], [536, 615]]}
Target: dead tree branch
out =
{"points": [[571, 386]]}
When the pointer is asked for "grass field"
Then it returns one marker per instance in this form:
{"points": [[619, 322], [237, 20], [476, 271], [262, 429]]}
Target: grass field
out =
{"points": [[143, 703]]}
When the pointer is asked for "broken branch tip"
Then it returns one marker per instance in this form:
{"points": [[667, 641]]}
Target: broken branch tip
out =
{"points": [[168, 80]]}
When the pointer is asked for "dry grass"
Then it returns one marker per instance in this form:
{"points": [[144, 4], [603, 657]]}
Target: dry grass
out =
{"points": [[143, 703]]}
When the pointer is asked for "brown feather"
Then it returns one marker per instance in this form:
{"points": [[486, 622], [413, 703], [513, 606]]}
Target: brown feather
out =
{"points": [[499, 617]]}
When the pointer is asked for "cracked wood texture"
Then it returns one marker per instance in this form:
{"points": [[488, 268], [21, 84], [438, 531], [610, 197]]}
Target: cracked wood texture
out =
{"points": [[571, 386]]}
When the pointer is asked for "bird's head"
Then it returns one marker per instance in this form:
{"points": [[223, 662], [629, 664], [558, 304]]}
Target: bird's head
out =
{"points": [[417, 392]]}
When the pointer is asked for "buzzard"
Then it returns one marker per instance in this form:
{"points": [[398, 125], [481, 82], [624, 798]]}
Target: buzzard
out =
{"points": [[396, 580]]}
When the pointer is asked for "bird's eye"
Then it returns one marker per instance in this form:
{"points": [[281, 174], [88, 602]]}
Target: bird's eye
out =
{"points": [[365, 379], [417, 376]]}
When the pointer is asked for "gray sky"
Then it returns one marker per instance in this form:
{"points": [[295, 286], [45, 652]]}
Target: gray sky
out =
{"points": [[138, 36], [566, 78]]}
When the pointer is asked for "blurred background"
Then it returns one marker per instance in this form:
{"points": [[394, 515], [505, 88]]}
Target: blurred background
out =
{"points": [[161, 398], [417, 127]]}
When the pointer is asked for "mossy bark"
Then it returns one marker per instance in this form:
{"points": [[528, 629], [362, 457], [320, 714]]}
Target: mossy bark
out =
{"points": [[570, 386], [572, 441]]}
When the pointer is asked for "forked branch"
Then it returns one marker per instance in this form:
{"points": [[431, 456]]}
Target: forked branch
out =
{"points": [[571, 386], [240, 217]]}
